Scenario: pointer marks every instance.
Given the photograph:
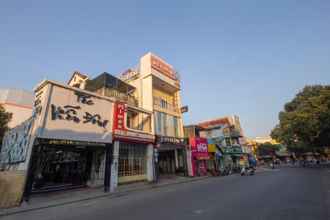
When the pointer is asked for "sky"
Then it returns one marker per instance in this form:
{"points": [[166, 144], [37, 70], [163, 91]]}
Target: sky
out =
{"points": [[235, 57]]}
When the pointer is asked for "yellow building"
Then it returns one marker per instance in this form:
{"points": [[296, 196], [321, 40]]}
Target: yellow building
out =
{"points": [[262, 140]]}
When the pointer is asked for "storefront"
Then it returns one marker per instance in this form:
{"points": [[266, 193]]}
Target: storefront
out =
{"points": [[63, 164], [171, 154], [133, 145], [66, 144], [213, 162], [198, 157]]}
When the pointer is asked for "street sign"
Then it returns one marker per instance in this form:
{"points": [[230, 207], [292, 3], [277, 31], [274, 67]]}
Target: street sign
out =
{"points": [[184, 109]]}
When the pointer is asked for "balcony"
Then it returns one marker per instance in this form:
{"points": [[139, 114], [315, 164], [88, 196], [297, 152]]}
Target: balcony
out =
{"points": [[138, 120], [163, 105], [129, 99]]}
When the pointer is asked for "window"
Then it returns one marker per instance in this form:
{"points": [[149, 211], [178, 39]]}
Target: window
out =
{"points": [[166, 125], [176, 126], [132, 159], [138, 120]]}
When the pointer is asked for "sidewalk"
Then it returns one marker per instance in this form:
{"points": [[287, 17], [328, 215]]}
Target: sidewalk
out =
{"points": [[43, 201]]}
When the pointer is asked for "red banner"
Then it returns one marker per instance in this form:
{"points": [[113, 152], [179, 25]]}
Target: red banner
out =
{"points": [[199, 147], [119, 116]]}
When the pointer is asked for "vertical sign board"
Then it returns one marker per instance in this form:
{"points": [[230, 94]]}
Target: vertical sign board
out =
{"points": [[199, 151], [75, 115], [119, 119]]}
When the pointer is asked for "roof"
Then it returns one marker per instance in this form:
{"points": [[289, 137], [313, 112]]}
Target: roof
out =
{"points": [[79, 74], [109, 81]]}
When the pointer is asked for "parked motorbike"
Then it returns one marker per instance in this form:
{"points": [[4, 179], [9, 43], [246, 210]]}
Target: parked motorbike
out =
{"points": [[247, 171]]}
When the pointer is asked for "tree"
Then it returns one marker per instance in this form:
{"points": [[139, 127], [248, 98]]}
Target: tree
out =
{"points": [[5, 118], [305, 121], [267, 149]]}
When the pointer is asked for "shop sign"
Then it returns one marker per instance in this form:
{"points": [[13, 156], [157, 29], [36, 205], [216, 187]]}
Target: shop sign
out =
{"points": [[119, 116], [75, 115], [215, 123], [57, 142], [170, 140], [163, 68], [233, 150], [199, 147], [184, 109]]}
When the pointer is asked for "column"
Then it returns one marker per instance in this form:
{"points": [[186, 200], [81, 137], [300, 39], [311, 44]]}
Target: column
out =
{"points": [[150, 163], [114, 167], [107, 172]]}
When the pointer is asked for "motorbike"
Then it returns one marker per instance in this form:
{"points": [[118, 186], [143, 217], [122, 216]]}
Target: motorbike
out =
{"points": [[247, 171]]}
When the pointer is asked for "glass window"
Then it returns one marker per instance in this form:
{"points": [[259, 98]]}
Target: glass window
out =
{"points": [[138, 120]]}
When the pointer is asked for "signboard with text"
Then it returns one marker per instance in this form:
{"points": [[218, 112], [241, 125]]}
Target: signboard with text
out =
{"points": [[199, 147], [75, 115], [163, 67]]}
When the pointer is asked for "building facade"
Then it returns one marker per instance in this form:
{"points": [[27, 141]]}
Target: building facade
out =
{"points": [[158, 90], [101, 131], [226, 143], [19, 103], [67, 143]]}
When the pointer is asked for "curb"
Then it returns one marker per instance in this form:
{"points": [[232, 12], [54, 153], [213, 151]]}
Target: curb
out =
{"points": [[109, 195]]}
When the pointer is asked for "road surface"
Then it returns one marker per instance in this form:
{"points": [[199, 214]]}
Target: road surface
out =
{"points": [[287, 193]]}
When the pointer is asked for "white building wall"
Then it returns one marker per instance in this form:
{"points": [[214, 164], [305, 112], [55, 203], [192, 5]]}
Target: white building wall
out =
{"points": [[20, 114]]}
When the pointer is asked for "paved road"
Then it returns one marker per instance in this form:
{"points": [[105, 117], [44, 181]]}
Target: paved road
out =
{"points": [[288, 193]]}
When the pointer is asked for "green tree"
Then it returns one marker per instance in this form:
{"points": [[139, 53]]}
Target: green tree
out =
{"points": [[5, 118], [267, 149], [305, 121]]}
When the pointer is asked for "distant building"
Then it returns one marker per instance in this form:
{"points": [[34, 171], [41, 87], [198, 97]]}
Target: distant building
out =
{"points": [[19, 103], [262, 140]]}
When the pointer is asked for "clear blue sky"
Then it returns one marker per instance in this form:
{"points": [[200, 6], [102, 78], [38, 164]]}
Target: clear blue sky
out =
{"points": [[235, 57]]}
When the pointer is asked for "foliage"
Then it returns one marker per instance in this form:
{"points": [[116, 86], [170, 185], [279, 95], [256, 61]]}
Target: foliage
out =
{"points": [[5, 118], [305, 121], [267, 149]]}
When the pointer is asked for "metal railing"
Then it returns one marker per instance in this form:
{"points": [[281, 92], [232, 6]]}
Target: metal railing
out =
{"points": [[160, 103], [131, 100]]}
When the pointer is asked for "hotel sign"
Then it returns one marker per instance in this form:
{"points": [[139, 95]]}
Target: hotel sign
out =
{"points": [[163, 68]]}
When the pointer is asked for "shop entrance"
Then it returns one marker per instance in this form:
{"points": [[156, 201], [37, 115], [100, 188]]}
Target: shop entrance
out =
{"points": [[132, 162], [61, 167], [166, 162]]}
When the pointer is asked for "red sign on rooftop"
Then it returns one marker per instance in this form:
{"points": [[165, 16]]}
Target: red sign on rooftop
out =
{"points": [[215, 122]]}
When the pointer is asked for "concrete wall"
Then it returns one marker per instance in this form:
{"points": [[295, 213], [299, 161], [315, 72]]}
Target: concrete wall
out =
{"points": [[11, 188]]}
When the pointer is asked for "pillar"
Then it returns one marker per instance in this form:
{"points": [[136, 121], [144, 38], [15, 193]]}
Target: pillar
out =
{"points": [[107, 172], [150, 163], [114, 167]]}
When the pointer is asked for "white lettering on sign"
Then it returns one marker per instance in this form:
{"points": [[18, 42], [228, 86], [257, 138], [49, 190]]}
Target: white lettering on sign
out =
{"points": [[201, 147]]}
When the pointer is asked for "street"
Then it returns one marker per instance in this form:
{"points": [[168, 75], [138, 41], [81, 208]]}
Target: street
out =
{"points": [[287, 193]]}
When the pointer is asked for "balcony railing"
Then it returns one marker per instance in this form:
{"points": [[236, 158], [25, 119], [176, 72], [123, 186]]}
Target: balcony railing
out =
{"points": [[138, 120], [161, 103], [131, 100]]}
